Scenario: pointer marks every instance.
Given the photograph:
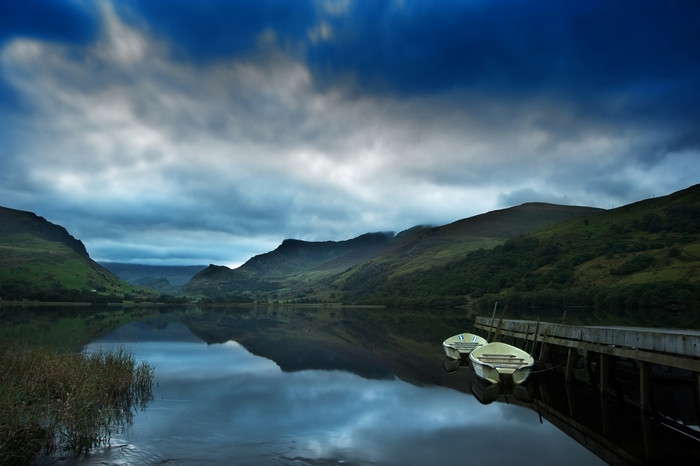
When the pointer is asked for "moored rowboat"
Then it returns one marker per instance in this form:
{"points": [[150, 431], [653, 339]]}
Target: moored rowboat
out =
{"points": [[459, 346], [501, 363]]}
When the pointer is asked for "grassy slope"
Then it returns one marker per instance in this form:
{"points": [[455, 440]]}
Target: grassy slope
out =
{"points": [[649, 242], [292, 266], [620, 235], [440, 245], [428, 249], [648, 251], [34, 267]]}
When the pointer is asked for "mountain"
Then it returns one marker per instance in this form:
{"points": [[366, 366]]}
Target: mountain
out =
{"points": [[17, 222], [303, 270], [642, 259], [163, 278], [425, 247], [42, 261], [292, 264], [293, 256]]}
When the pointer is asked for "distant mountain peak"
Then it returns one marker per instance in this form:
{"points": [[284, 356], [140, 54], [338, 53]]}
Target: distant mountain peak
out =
{"points": [[294, 254]]}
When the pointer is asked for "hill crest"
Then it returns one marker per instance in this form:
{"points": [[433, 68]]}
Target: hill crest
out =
{"points": [[41, 261], [296, 267], [14, 221]]}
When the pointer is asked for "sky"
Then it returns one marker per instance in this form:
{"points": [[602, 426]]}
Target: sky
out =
{"points": [[186, 132]]}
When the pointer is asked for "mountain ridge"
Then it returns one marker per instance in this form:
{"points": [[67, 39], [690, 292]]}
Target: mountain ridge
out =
{"points": [[163, 278], [294, 253], [21, 221], [535, 255], [292, 266]]}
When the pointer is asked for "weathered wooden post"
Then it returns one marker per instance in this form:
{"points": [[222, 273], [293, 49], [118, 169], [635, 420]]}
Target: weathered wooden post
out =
{"points": [[534, 337], [493, 316], [604, 370], [543, 348], [644, 385], [696, 387], [567, 377], [604, 414], [570, 400]]}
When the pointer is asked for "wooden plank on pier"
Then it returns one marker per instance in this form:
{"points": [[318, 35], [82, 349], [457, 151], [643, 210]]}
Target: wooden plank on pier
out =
{"points": [[673, 348]]}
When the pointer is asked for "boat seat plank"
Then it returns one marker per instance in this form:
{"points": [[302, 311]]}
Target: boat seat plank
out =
{"points": [[493, 356], [491, 359], [462, 345]]}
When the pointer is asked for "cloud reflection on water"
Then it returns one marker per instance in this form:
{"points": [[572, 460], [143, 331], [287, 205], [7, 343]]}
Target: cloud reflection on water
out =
{"points": [[221, 404]]}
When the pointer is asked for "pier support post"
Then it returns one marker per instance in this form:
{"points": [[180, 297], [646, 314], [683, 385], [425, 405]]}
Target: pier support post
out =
{"points": [[570, 400], [644, 385], [543, 351], [604, 372], [567, 377], [696, 391], [543, 347], [534, 337], [604, 414]]}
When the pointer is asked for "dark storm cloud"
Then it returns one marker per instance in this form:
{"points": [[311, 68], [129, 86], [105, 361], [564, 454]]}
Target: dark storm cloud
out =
{"points": [[521, 46], [639, 46], [236, 124], [54, 20], [633, 59], [213, 29]]}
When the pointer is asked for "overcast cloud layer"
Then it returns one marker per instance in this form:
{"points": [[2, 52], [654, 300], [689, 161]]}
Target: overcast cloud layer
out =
{"points": [[209, 131]]}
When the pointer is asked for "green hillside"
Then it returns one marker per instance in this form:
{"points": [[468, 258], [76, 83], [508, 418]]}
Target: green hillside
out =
{"points": [[641, 261], [640, 257], [426, 248], [389, 277], [290, 267], [357, 270], [41, 261]]}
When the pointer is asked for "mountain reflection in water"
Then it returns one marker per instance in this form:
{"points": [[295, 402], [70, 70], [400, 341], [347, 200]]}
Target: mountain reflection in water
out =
{"points": [[220, 404]]}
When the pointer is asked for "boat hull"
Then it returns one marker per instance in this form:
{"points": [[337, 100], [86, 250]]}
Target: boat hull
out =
{"points": [[501, 363], [486, 392], [460, 345]]}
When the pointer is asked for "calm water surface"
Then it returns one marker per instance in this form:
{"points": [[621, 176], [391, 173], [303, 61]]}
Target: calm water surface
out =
{"points": [[221, 404]]}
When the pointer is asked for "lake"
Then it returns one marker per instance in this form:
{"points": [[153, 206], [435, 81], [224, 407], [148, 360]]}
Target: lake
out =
{"points": [[305, 386]]}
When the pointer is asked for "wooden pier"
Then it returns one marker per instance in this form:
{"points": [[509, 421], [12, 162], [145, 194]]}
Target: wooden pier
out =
{"points": [[679, 349]]}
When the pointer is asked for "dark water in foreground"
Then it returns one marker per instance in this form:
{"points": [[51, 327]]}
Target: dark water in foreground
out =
{"points": [[220, 404], [352, 387]]}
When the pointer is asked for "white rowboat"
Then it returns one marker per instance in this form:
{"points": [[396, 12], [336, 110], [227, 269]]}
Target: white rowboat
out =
{"points": [[501, 363], [459, 346]]}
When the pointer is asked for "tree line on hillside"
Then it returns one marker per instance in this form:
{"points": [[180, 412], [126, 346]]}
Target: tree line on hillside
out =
{"points": [[539, 273], [660, 304], [24, 290]]}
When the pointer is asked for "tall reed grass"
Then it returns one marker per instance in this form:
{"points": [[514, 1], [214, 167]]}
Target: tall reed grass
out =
{"points": [[54, 401]]}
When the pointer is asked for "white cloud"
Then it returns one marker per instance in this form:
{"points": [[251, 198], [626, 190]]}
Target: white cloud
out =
{"points": [[122, 132], [321, 32], [335, 7]]}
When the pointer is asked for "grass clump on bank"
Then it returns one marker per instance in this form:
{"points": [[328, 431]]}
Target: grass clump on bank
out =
{"points": [[66, 402]]}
